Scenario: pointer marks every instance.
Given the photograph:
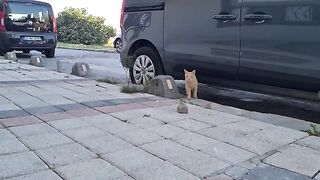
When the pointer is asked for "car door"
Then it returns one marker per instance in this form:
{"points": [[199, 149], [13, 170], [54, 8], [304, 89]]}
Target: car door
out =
{"points": [[280, 43], [202, 36]]}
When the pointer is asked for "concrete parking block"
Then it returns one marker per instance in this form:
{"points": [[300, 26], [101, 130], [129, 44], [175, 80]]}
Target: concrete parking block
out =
{"points": [[132, 159], [20, 121], [196, 162], [19, 164], [228, 153], [84, 133], [54, 116], [168, 130], [45, 140], [48, 175], [69, 123], [11, 146], [5, 135], [298, 159], [31, 130], [191, 125], [311, 142], [105, 144], [162, 171], [97, 169], [274, 173], [194, 141], [145, 122], [138, 136], [65, 154]]}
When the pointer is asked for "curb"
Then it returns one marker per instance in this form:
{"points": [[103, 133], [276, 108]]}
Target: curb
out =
{"points": [[92, 50]]}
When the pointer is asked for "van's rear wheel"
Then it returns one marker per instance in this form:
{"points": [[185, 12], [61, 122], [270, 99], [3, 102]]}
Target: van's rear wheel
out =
{"points": [[146, 65], [26, 51], [50, 53]]}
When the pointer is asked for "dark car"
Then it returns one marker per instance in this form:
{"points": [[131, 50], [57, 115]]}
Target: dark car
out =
{"points": [[264, 42], [27, 25]]}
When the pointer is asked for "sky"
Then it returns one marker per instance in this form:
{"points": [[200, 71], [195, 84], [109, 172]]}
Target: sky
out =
{"points": [[109, 9]]}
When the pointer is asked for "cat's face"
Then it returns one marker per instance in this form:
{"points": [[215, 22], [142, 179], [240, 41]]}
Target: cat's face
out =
{"points": [[189, 76]]}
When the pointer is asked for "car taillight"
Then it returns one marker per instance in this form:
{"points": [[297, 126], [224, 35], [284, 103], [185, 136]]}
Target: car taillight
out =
{"points": [[2, 26], [54, 23], [122, 13]]}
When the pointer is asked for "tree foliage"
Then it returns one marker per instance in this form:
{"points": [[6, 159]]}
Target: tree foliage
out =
{"points": [[76, 26]]}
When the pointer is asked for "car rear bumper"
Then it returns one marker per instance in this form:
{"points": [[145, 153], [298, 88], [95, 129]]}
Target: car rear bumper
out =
{"points": [[15, 41]]}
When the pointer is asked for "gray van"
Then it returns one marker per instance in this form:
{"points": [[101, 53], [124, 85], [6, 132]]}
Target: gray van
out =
{"points": [[269, 42], [27, 25]]}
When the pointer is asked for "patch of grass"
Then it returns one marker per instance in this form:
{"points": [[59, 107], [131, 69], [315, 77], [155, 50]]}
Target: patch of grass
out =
{"points": [[314, 131], [106, 48], [109, 81], [131, 88]]}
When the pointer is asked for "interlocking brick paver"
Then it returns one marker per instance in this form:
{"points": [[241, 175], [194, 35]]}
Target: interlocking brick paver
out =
{"points": [[221, 134], [19, 164], [84, 133], [5, 135], [220, 177], [105, 144], [168, 130], [84, 112], [54, 116], [194, 141], [131, 159], [196, 162], [228, 153], [20, 121], [162, 171], [1, 126], [31, 130], [45, 140], [145, 122], [95, 104], [236, 172], [69, 123], [47, 175], [159, 103], [11, 146], [94, 169], [12, 114], [298, 159], [116, 126], [65, 154], [71, 107], [119, 108], [138, 136], [311, 142], [191, 125], [100, 119], [269, 172], [42, 110]]}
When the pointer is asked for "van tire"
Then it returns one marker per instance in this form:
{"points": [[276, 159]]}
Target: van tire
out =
{"points": [[50, 53], [147, 54], [26, 51]]}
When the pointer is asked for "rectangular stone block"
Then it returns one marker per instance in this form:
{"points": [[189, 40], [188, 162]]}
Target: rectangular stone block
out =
{"points": [[45, 140], [10, 146], [19, 164], [48, 175], [20, 121], [191, 125], [54, 116], [138, 136], [69, 124], [65, 154], [31, 130], [145, 122], [93, 169], [194, 141], [5, 135], [168, 130], [311, 142], [84, 133]]}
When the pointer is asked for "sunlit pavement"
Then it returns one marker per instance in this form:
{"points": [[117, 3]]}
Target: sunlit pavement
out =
{"points": [[58, 126]]}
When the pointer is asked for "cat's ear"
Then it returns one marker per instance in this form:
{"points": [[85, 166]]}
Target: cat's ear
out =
{"points": [[194, 72], [185, 71]]}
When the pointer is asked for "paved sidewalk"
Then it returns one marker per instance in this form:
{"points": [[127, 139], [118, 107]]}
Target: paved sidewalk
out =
{"points": [[58, 126]]}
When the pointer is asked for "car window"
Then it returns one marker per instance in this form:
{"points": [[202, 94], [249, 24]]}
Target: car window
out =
{"points": [[28, 17]]}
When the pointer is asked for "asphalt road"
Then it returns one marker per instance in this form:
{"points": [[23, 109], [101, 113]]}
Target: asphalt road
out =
{"points": [[108, 66]]}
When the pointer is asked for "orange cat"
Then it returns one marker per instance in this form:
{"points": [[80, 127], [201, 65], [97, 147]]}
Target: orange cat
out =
{"points": [[191, 83]]}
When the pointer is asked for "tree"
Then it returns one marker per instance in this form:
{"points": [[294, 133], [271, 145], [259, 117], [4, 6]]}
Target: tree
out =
{"points": [[76, 26]]}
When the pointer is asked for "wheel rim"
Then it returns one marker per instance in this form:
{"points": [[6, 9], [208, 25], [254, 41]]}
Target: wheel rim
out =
{"points": [[143, 69], [118, 45]]}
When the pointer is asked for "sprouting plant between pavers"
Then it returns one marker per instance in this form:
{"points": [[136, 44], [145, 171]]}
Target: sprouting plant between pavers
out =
{"points": [[108, 81], [314, 130]]}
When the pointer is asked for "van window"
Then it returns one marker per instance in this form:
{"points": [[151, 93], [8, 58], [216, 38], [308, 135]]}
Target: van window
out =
{"points": [[21, 16]]}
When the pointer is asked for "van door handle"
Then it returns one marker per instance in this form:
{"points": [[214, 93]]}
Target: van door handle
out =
{"points": [[259, 18], [225, 17]]}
